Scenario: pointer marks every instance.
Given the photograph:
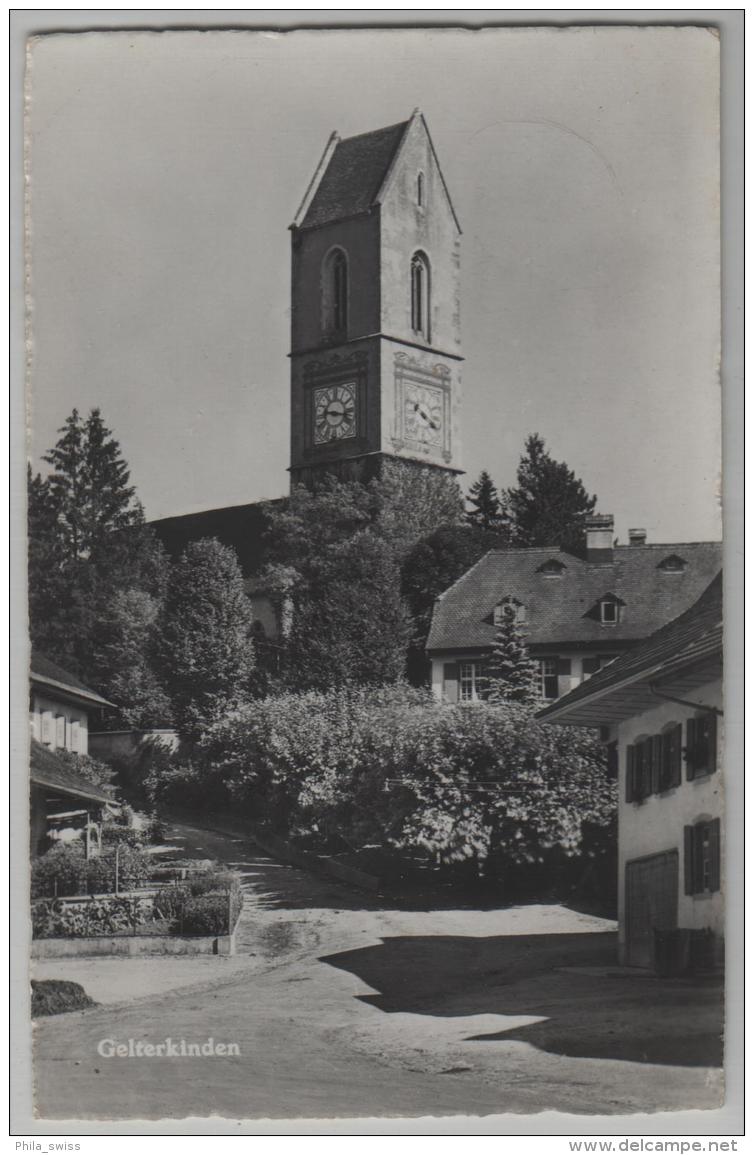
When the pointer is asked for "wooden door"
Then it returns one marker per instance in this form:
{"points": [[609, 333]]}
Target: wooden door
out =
{"points": [[651, 904]]}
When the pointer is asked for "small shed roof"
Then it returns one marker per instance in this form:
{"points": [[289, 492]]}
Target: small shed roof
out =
{"points": [[50, 772]]}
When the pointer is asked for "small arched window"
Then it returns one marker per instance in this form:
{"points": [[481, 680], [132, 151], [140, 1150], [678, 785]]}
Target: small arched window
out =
{"points": [[420, 295], [335, 294], [420, 190]]}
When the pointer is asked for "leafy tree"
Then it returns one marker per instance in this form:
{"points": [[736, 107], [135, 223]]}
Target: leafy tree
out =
{"points": [[124, 658], [88, 540], [350, 626], [412, 502], [512, 673], [205, 654], [431, 567], [486, 510], [549, 504]]}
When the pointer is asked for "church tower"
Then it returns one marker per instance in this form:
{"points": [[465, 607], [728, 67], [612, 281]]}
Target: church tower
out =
{"points": [[375, 316]]}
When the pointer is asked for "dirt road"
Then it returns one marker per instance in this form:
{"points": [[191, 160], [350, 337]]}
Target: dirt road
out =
{"points": [[340, 1004]]}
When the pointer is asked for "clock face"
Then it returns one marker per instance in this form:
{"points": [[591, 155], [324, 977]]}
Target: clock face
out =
{"points": [[423, 414], [334, 413]]}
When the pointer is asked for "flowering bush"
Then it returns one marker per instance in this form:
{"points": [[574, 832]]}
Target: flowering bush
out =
{"points": [[393, 766]]}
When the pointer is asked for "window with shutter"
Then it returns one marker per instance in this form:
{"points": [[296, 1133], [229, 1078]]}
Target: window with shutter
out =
{"points": [[701, 745], [701, 844], [590, 666]]}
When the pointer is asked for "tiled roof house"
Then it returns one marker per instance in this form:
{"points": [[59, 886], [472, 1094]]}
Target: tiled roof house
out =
{"points": [[659, 709], [578, 613]]}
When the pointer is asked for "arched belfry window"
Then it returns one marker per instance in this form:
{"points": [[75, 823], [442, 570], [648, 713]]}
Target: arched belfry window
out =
{"points": [[335, 293], [420, 295]]}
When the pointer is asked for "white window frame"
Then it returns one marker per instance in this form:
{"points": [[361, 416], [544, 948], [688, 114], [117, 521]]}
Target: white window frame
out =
{"points": [[614, 607], [543, 674], [498, 614], [471, 681]]}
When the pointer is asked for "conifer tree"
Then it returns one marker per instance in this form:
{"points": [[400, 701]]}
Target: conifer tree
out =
{"points": [[486, 510], [550, 504], [88, 541], [512, 672]]}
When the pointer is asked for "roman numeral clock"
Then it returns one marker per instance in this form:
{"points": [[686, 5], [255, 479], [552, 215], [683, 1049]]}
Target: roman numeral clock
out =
{"points": [[375, 316]]}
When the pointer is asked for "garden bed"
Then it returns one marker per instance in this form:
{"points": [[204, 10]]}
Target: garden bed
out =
{"points": [[185, 911]]}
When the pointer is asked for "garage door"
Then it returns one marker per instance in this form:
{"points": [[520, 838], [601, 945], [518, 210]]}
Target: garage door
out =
{"points": [[651, 904]]}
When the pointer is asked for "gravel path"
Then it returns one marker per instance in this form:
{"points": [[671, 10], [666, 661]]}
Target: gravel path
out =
{"points": [[342, 1006]]}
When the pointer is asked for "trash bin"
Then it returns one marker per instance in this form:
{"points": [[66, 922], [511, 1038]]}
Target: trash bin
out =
{"points": [[671, 953]]}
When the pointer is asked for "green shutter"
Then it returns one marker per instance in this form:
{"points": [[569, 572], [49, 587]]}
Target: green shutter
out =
{"points": [[688, 859], [564, 666], [715, 854], [630, 761], [591, 665]]}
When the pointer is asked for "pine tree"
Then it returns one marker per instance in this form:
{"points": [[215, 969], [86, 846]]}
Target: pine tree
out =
{"points": [[88, 542], [549, 505], [512, 672], [204, 648], [89, 486], [486, 510]]}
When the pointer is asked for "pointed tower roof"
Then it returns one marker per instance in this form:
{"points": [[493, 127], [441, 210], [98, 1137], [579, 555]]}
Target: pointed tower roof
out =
{"points": [[351, 174]]}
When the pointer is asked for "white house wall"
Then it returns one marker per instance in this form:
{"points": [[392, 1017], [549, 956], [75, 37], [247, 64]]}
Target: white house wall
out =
{"points": [[656, 823], [44, 715], [566, 682]]}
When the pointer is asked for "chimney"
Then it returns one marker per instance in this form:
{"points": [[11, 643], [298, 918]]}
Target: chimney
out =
{"points": [[637, 537], [599, 538]]}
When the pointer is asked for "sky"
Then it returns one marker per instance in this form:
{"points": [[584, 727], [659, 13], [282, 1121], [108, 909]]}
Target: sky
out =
{"points": [[165, 168]]}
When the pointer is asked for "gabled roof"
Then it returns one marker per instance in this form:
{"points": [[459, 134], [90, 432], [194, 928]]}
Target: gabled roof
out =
{"points": [[559, 606], [354, 175], [47, 673], [691, 642], [49, 771]]}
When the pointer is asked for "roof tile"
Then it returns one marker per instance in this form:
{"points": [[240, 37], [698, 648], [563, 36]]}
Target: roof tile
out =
{"points": [[558, 607], [354, 176]]}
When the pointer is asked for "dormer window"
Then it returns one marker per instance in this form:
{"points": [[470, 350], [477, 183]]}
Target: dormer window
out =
{"points": [[672, 564], [609, 612], [509, 605], [551, 568]]}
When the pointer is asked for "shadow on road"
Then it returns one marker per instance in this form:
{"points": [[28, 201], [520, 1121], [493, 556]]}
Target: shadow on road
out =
{"points": [[606, 1016]]}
